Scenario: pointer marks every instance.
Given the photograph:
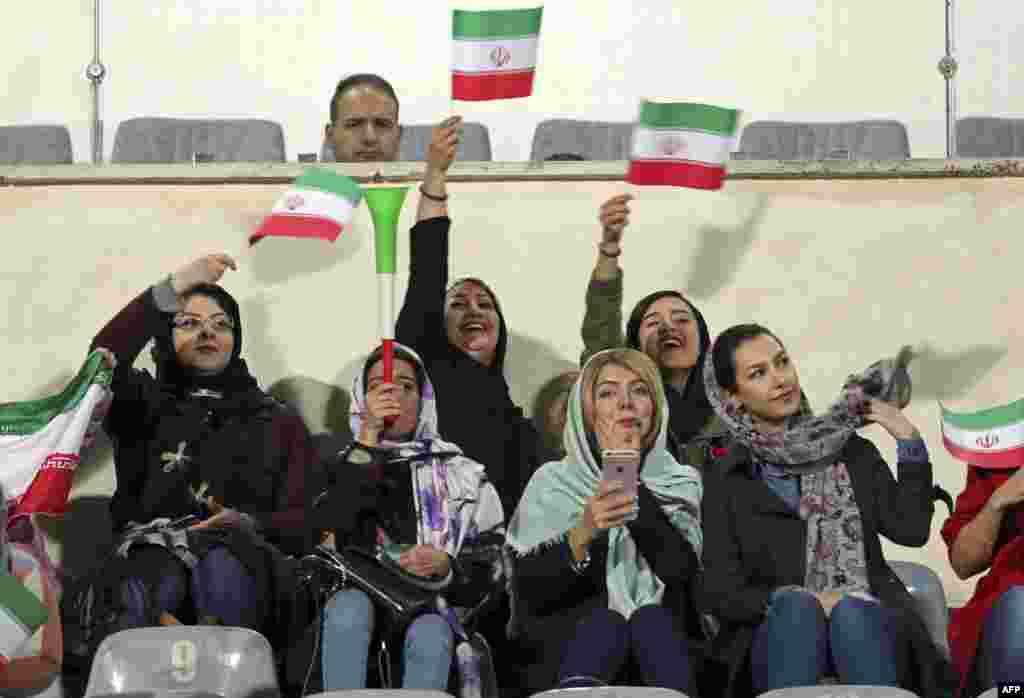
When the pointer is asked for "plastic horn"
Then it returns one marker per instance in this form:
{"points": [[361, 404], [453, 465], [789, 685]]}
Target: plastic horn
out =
{"points": [[385, 203]]}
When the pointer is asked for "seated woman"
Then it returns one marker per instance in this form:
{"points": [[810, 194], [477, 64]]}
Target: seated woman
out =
{"points": [[402, 488], [793, 566], [602, 577], [986, 532], [210, 469]]}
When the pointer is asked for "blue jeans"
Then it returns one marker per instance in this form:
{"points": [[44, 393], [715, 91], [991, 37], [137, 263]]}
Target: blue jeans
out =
{"points": [[1001, 652], [348, 621], [219, 584], [796, 645], [604, 641]]}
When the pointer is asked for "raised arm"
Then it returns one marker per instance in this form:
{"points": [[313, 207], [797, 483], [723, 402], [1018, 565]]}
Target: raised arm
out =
{"points": [[602, 321], [905, 505], [421, 320], [984, 508]]}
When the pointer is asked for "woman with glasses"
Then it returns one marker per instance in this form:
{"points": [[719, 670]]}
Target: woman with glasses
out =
{"points": [[211, 471]]}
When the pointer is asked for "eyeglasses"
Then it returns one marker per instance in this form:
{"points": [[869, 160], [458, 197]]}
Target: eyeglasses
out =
{"points": [[220, 324]]}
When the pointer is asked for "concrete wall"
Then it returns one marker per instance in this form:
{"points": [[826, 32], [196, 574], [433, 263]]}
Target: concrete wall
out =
{"points": [[844, 271], [800, 59]]}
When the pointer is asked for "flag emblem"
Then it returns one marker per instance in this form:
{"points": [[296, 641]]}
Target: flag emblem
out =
{"points": [[500, 56], [672, 146], [294, 201]]}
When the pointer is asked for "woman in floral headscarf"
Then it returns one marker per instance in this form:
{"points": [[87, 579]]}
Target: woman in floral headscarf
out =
{"points": [[603, 577], [400, 489], [793, 566]]}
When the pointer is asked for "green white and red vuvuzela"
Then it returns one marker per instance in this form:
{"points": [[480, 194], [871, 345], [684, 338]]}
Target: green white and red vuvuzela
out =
{"points": [[992, 438], [40, 441], [681, 144], [319, 204], [494, 53]]}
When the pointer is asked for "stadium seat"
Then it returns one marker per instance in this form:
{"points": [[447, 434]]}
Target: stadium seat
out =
{"points": [[989, 137], [839, 691], [475, 145], [854, 140], [611, 692], [38, 145], [591, 140], [160, 140], [926, 588], [179, 660]]}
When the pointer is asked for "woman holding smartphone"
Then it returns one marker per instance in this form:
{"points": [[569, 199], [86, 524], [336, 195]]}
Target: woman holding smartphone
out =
{"points": [[607, 540]]}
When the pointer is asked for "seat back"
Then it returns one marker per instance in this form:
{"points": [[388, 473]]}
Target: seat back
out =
{"points": [[474, 146], [854, 140], [989, 137], [381, 693], [839, 691], [592, 140], [179, 660], [42, 145], [926, 589], [152, 139], [611, 692]]}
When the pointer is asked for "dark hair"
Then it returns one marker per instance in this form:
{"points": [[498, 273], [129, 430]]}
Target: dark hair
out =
{"points": [[371, 80], [566, 157], [400, 353], [553, 389], [723, 353]]}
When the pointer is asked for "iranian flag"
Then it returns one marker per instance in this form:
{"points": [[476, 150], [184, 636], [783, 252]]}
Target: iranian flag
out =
{"points": [[494, 53], [40, 441], [319, 204], [992, 438], [681, 144]]}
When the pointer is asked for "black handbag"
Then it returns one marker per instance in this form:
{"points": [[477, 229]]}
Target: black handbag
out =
{"points": [[403, 595]]}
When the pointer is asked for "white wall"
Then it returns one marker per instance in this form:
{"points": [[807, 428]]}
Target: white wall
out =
{"points": [[279, 59]]}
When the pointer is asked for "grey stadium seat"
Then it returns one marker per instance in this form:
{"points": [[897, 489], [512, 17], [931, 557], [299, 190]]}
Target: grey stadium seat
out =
{"points": [[475, 145], [184, 660], [856, 140], [989, 137], [43, 145], [592, 140], [839, 691], [926, 589], [154, 139], [611, 692]]}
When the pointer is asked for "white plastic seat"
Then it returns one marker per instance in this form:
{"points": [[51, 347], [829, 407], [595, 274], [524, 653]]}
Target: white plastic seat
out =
{"points": [[839, 691], [184, 660], [611, 692], [381, 693]]}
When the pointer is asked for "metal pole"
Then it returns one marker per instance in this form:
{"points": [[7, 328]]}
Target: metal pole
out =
{"points": [[947, 67], [95, 72]]}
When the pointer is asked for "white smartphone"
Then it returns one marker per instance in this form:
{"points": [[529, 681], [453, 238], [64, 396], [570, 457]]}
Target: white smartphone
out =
{"points": [[622, 465]]}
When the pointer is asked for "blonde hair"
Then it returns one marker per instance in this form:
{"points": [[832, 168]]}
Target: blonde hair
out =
{"points": [[631, 360]]}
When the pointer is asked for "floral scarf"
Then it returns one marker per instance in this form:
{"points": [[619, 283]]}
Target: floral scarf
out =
{"points": [[808, 449], [454, 503], [554, 499]]}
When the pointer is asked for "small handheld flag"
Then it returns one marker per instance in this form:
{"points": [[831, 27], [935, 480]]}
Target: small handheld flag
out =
{"points": [[40, 441], [992, 438], [681, 144], [319, 204], [494, 53]]}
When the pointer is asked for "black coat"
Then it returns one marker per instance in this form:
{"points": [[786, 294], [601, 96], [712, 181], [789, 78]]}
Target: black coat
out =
{"points": [[754, 543], [551, 598], [474, 408]]}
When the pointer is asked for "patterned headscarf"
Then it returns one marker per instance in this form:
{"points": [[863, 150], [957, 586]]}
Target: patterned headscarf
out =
{"points": [[809, 448], [555, 496], [447, 486], [811, 443]]}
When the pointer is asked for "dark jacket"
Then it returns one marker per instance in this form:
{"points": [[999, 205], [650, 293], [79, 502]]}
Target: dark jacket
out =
{"points": [[474, 406], [551, 598], [754, 543], [255, 453]]}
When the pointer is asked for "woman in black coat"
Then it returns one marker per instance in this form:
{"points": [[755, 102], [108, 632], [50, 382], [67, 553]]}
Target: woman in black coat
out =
{"points": [[794, 570]]}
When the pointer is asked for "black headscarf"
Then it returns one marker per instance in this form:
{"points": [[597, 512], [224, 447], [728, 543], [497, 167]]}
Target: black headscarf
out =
{"points": [[497, 366], [234, 380], [690, 411]]}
